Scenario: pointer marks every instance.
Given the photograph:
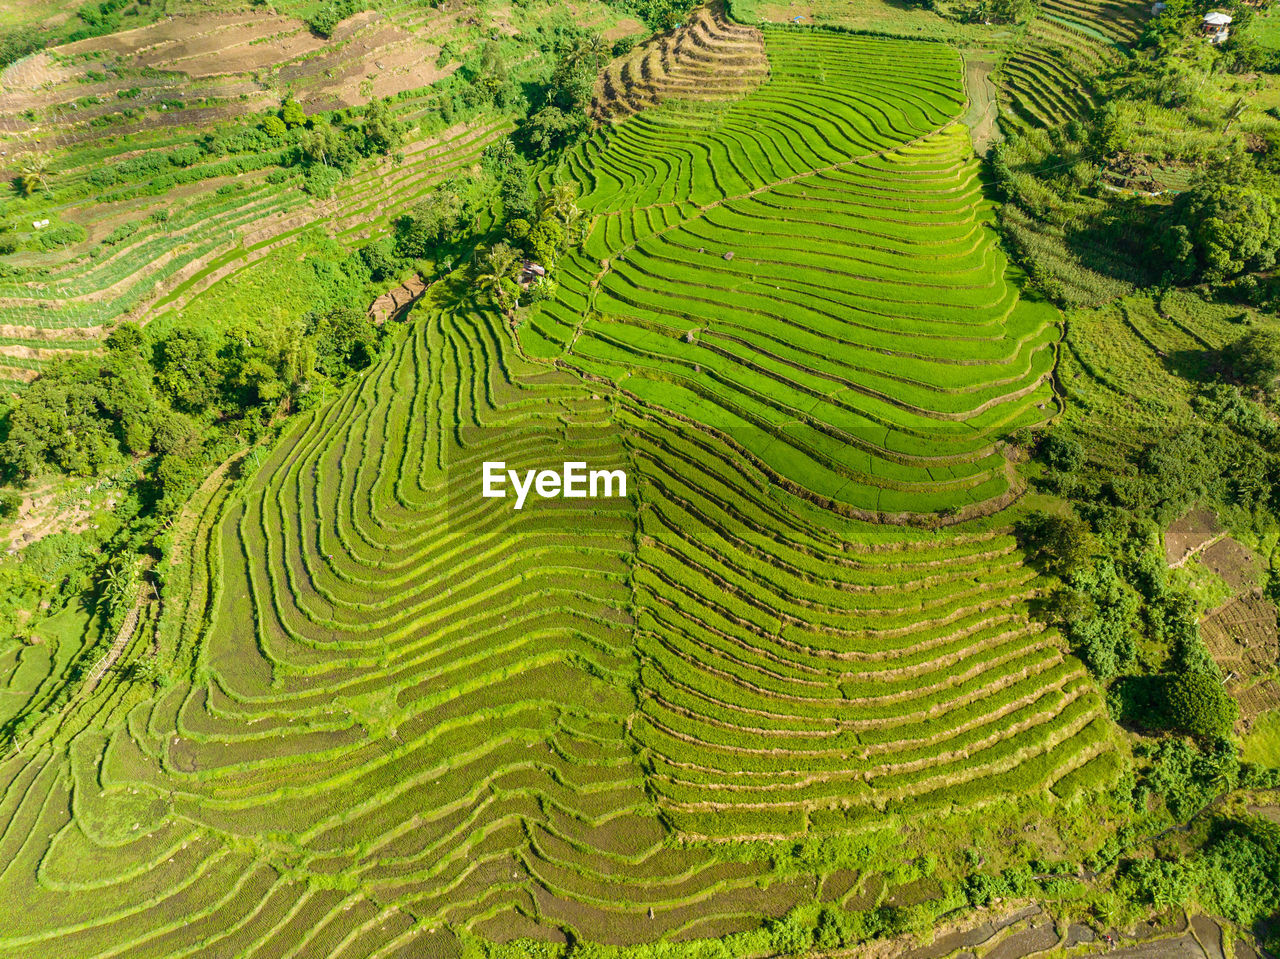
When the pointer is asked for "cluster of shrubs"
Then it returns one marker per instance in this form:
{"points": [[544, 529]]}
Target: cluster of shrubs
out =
{"points": [[324, 147], [323, 21], [1114, 587], [658, 14], [1225, 226], [1138, 633], [168, 395], [1235, 874], [446, 225]]}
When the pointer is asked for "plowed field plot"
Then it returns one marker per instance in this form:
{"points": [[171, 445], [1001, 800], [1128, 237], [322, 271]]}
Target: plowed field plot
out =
{"points": [[1241, 634], [1236, 565], [207, 45], [1258, 699]]}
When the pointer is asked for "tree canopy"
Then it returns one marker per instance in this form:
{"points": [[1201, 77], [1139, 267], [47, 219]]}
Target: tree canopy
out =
{"points": [[1255, 358], [1198, 704]]}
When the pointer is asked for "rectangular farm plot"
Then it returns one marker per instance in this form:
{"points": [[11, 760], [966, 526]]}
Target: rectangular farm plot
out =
{"points": [[1241, 636], [1237, 566]]}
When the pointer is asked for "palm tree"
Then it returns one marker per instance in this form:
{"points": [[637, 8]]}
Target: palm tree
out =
{"points": [[560, 202], [1222, 779], [596, 47], [117, 583], [1106, 911], [32, 173], [113, 581], [498, 267], [580, 50]]}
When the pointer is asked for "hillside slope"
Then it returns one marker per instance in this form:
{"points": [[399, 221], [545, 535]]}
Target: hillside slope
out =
{"points": [[412, 714]]}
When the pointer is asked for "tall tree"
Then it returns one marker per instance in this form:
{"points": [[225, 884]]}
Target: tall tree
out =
{"points": [[560, 202], [497, 271]]}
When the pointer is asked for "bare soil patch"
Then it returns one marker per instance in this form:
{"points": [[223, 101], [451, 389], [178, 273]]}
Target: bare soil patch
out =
{"points": [[626, 27], [9, 375], [1271, 812], [46, 510], [396, 302], [20, 351], [1243, 638], [983, 107], [208, 44], [1177, 947], [950, 942], [1209, 934], [1237, 566], [380, 61], [47, 333], [1031, 941], [1244, 950], [257, 51], [839, 884], [35, 71], [1077, 934], [1019, 931], [1188, 534]]}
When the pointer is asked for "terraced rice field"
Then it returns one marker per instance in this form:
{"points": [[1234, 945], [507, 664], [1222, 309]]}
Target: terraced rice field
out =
{"points": [[421, 701], [811, 270], [793, 681], [1117, 20], [708, 58], [69, 305], [1051, 76], [416, 709], [411, 713]]}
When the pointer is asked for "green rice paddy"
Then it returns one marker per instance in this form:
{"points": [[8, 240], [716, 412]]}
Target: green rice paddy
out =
{"points": [[812, 271], [411, 714], [209, 237]]}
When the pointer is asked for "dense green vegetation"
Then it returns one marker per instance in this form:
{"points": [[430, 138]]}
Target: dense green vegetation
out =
{"points": [[885, 629], [1171, 181], [331, 554], [1184, 421], [1236, 873], [152, 416]]}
